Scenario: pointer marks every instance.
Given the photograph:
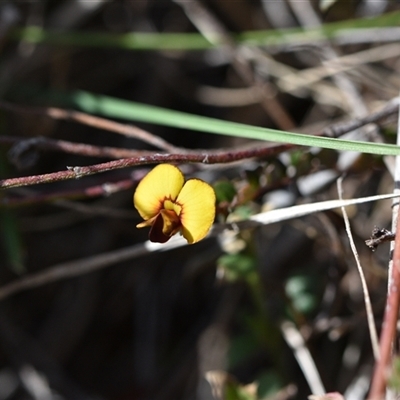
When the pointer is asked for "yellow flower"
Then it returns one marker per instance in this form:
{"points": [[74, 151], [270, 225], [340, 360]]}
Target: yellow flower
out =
{"points": [[170, 205]]}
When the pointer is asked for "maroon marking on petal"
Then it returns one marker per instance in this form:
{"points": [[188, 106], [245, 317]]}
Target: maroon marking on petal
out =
{"points": [[156, 232]]}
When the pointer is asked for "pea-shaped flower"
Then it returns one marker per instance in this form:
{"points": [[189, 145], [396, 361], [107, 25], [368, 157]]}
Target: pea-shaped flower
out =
{"points": [[170, 205]]}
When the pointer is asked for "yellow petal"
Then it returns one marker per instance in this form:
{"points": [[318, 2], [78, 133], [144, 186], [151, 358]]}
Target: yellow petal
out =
{"points": [[147, 222], [163, 182], [197, 199]]}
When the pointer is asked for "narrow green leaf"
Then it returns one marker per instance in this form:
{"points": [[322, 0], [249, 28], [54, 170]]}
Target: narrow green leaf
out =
{"points": [[326, 31], [117, 108], [194, 41], [130, 41]]}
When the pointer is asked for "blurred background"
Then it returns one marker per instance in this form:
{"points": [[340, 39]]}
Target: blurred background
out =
{"points": [[275, 312]]}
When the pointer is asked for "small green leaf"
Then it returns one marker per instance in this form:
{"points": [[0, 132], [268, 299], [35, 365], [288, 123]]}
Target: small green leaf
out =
{"points": [[224, 191], [236, 266], [241, 348], [269, 383], [394, 379], [235, 391], [299, 289]]}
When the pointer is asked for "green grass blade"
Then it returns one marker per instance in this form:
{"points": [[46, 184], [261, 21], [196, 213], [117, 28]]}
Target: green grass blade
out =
{"points": [[130, 41], [326, 31], [117, 108], [195, 41]]}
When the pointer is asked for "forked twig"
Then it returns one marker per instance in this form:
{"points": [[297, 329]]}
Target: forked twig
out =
{"points": [[379, 236], [391, 108]]}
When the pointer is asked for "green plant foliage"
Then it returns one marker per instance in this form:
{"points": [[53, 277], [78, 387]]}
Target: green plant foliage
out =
{"points": [[243, 212], [224, 191], [394, 380], [194, 41], [235, 391], [300, 290], [237, 266], [241, 347], [117, 108], [269, 382], [132, 111]]}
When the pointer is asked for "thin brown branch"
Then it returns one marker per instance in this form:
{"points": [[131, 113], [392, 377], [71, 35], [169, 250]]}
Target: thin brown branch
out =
{"points": [[93, 121], [93, 263], [22, 145], [201, 157], [379, 236], [104, 189], [109, 212], [71, 269], [392, 108]]}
